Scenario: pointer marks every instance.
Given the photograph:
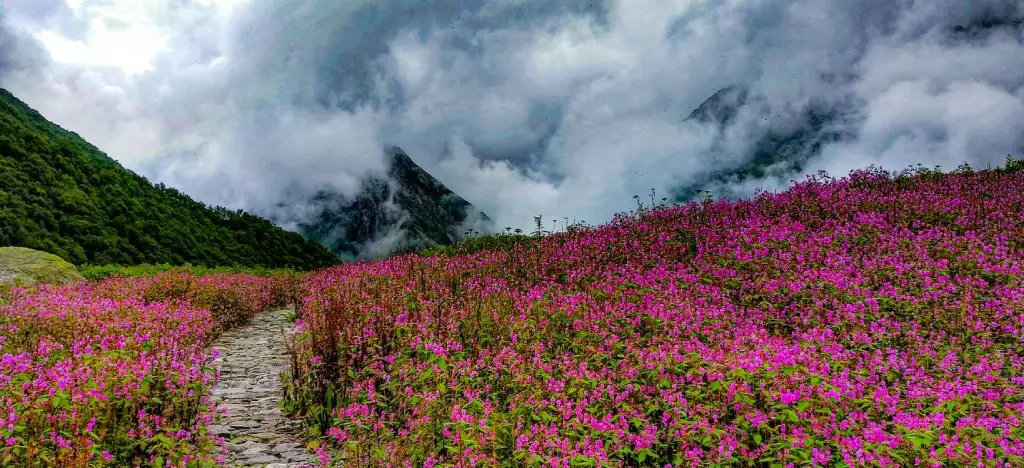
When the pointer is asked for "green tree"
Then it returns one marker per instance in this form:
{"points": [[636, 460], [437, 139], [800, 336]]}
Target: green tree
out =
{"points": [[62, 195]]}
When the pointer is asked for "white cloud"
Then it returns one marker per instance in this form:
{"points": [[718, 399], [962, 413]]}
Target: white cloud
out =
{"points": [[529, 107], [887, 64], [916, 122], [123, 34], [514, 194]]}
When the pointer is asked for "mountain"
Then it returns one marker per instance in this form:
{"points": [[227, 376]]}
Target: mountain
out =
{"points": [[403, 210], [783, 149], [1008, 18], [62, 195], [788, 144], [721, 107]]}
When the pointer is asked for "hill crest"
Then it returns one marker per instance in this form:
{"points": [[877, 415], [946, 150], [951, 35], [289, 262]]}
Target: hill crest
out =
{"points": [[62, 195]]}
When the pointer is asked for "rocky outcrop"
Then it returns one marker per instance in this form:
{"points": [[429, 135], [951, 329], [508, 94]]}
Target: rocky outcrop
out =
{"points": [[27, 266], [404, 209], [782, 149]]}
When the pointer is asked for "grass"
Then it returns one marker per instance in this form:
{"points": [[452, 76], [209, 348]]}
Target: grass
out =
{"points": [[99, 272]]}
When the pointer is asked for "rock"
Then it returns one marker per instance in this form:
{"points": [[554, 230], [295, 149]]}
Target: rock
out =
{"points": [[292, 456], [260, 460], [19, 265], [429, 213], [285, 447], [254, 451], [272, 412], [220, 430], [252, 444], [267, 436]]}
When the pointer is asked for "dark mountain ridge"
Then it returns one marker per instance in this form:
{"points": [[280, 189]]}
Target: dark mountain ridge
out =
{"points": [[402, 210], [782, 149], [788, 145]]}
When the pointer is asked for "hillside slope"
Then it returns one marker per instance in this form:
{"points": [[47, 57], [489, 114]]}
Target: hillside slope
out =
{"points": [[872, 320], [62, 195], [403, 210]]}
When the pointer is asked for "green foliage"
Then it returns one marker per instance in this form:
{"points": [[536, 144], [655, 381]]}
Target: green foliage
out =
{"points": [[100, 272], [1012, 165], [62, 195], [498, 242]]}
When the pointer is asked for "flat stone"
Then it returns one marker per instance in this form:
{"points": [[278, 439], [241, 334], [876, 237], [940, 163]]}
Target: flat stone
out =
{"points": [[260, 460], [285, 447], [244, 424], [292, 456], [217, 429], [254, 451], [268, 435]]}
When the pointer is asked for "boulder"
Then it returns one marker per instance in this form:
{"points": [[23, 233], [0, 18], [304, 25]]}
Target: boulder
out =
{"points": [[27, 266]]}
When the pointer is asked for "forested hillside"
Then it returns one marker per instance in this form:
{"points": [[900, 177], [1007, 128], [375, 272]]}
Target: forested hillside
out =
{"points": [[62, 195]]}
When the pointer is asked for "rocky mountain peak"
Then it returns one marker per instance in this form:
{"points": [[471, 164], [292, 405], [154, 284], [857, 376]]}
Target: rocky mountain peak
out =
{"points": [[402, 210]]}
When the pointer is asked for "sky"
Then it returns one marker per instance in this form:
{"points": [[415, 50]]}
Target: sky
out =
{"points": [[565, 109]]}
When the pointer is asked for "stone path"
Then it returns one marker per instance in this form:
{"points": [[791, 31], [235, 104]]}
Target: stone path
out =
{"points": [[251, 361]]}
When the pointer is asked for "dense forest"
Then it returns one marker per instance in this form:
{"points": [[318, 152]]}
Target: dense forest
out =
{"points": [[62, 195]]}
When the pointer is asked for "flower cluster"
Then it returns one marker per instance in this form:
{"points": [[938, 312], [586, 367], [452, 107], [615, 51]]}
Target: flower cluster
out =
{"points": [[116, 372], [875, 320]]}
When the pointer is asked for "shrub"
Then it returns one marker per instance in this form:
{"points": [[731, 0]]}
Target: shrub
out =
{"points": [[498, 242]]}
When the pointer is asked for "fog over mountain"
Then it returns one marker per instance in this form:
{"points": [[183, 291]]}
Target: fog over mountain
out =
{"points": [[523, 107]]}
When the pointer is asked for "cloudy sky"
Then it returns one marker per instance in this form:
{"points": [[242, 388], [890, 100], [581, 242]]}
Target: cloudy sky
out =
{"points": [[523, 107]]}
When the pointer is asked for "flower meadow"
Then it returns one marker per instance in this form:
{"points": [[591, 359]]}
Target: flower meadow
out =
{"points": [[873, 320], [114, 373]]}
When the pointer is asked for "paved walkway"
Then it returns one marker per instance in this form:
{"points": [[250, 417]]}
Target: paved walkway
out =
{"points": [[251, 361]]}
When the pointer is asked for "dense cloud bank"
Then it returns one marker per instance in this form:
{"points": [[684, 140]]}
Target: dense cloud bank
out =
{"points": [[524, 107]]}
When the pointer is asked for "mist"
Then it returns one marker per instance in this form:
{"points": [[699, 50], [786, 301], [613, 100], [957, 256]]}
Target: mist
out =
{"points": [[522, 108]]}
